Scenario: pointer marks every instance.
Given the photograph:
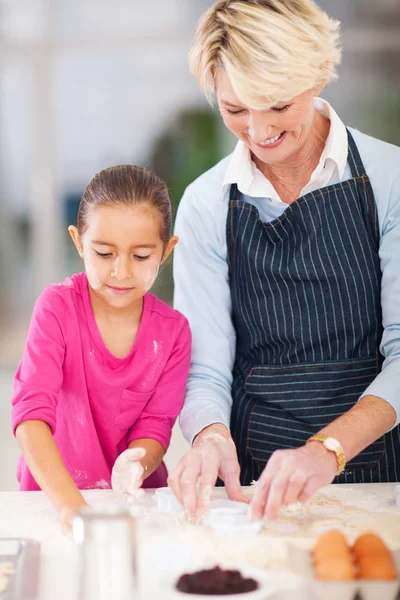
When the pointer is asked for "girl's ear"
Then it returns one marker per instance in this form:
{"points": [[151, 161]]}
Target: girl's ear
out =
{"points": [[73, 232], [172, 242]]}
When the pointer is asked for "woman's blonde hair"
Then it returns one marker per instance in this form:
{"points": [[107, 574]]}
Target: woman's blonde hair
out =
{"points": [[271, 50]]}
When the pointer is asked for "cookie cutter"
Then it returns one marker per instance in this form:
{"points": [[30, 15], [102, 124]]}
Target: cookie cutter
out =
{"points": [[167, 501], [230, 518]]}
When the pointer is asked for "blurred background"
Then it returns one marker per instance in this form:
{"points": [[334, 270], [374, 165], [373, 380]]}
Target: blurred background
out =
{"points": [[86, 84]]}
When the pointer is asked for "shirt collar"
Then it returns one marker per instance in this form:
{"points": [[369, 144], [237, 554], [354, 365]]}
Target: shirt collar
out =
{"points": [[336, 146], [243, 171]]}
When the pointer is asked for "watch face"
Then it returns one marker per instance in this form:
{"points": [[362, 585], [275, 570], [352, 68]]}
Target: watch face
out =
{"points": [[331, 444]]}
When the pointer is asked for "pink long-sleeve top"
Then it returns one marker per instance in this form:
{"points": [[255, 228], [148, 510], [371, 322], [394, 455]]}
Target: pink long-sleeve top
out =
{"points": [[95, 403]]}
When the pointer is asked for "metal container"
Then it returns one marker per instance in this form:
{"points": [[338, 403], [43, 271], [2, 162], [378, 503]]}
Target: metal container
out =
{"points": [[22, 556], [106, 539]]}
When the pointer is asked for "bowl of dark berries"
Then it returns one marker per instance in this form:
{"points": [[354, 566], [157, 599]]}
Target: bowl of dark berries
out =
{"points": [[222, 584]]}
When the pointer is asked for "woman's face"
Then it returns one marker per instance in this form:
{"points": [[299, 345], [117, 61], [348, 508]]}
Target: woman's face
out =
{"points": [[273, 135]]}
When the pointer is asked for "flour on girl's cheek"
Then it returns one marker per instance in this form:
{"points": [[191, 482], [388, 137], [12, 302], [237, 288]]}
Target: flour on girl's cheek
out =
{"points": [[150, 275], [92, 276]]}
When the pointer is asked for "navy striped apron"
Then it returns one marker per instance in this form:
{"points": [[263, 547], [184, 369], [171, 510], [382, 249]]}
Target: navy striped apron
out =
{"points": [[306, 307]]}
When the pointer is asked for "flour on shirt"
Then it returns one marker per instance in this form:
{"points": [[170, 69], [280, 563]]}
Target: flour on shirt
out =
{"points": [[102, 485]]}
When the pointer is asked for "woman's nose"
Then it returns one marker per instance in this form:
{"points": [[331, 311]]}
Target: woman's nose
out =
{"points": [[260, 129]]}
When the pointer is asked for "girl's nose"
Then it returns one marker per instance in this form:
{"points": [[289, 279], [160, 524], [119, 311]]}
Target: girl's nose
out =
{"points": [[122, 269]]}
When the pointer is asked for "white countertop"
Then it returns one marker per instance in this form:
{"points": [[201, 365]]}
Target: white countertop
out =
{"points": [[352, 507]]}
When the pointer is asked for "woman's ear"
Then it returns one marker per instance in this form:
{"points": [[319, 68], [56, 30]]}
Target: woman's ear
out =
{"points": [[73, 232], [172, 242]]}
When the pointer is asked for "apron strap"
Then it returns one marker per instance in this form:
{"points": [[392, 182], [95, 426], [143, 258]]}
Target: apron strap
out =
{"points": [[354, 158], [368, 206], [233, 192]]}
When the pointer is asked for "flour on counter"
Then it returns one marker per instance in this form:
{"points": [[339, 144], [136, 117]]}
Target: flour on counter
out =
{"points": [[350, 510]]}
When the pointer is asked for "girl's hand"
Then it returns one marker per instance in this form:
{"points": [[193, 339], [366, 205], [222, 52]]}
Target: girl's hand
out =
{"points": [[66, 516], [128, 474], [213, 454], [291, 476]]}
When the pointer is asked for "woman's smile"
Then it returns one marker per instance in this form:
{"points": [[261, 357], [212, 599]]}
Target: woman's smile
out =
{"points": [[272, 142]]}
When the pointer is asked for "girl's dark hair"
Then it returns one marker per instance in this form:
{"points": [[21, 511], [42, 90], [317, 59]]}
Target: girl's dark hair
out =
{"points": [[129, 185]]}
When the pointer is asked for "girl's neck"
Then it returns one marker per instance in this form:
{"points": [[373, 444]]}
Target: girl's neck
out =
{"points": [[290, 177]]}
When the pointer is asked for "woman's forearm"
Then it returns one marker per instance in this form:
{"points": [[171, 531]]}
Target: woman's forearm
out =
{"points": [[154, 454], [46, 465], [369, 419]]}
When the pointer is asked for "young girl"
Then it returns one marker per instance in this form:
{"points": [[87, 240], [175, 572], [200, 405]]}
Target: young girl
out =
{"points": [[104, 370]]}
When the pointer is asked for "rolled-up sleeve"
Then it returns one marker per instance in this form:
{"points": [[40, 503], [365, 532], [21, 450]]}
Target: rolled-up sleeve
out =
{"points": [[40, 374], [387, 384], [202, 294], [160, 413]]}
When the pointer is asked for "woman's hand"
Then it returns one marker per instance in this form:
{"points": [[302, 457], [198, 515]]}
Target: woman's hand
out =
{"points": [[212, 455], [290, 476], [128, 474]]}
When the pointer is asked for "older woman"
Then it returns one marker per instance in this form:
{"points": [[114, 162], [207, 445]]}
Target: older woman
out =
{"points": [[288, 270]]}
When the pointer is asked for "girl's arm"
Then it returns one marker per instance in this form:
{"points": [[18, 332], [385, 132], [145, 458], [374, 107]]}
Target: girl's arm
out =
{"points": [[47, 467], [154, 454], [37, 385]]}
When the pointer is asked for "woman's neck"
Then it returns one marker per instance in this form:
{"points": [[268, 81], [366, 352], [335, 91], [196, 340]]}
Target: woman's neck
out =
{"points": [[290, 177]]}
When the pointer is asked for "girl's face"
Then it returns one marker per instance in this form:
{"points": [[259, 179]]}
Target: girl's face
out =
{"points": [[273, 135], [122, 251]]}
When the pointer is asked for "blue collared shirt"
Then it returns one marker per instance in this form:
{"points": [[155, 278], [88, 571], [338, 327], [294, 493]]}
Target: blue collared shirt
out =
{"points": [[202, 291]]}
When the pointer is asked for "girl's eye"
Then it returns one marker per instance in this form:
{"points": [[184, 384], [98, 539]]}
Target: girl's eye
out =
{"points": [[106, 255], [282, 109], [235, 112], [141, 257]]}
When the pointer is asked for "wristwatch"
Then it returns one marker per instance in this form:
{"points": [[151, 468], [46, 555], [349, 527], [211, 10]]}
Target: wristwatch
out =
{"points": [[333, 445]]}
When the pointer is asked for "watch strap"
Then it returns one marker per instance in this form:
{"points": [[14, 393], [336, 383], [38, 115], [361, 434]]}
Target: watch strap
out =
{"points": [[339, 452]]}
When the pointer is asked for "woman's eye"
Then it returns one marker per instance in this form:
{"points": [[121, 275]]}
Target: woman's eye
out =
{"points": [[141, 257], [235, 112], [281, 108], [106, 255]]}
